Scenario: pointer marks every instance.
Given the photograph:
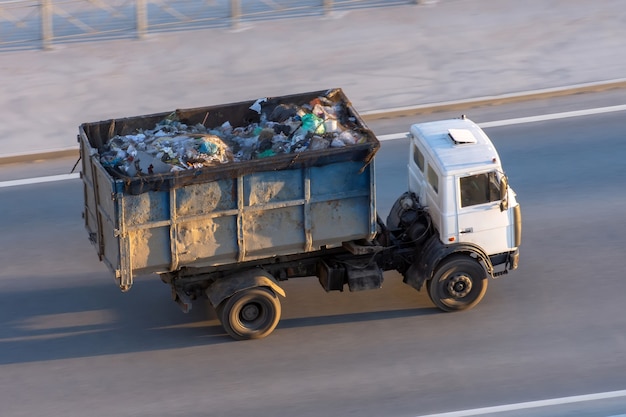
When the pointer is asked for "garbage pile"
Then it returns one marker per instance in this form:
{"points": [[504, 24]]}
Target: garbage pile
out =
{"points": [[174, 146]]}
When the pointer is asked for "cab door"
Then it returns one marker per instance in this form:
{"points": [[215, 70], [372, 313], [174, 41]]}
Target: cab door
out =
{"points": [[480, 219]]}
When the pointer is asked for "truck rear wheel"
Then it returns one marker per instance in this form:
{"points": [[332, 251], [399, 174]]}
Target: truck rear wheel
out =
{"points": [[459, 283], [250, 314]]}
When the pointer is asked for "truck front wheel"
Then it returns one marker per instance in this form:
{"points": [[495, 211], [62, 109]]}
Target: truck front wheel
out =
{"points": [[250, 314], [459, 283]]}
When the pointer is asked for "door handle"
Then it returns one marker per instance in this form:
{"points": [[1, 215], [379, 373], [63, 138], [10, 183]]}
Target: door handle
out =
{"points": [[468, 230]]}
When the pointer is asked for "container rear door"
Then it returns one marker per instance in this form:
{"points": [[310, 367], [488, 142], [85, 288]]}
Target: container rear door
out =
{"points": [[100, 212]]}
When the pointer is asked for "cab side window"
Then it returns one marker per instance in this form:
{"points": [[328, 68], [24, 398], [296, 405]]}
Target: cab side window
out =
{"points": [[479, 189], [433, 179], [418, 158]]}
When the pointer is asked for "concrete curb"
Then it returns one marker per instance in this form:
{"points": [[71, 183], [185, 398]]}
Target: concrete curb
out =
{"points": [[495, 100], [397, 111], [39, 156]]}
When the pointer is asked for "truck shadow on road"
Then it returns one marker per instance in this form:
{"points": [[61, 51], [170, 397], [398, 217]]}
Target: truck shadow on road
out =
{"points": [[323, 320], [96, 319]]}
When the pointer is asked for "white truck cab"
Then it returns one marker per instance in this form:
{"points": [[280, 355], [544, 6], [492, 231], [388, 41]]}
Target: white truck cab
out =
{"points": [[455, 172]]}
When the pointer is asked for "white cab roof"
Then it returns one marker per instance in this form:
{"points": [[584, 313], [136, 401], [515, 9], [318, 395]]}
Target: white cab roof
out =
{"points": [[457, 146]]}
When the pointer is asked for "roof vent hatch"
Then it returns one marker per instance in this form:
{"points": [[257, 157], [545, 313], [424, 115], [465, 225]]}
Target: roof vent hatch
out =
{"points": [[461, 136]]}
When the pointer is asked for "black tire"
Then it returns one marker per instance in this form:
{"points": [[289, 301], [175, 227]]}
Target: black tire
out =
{"points": [[459, 283], [250, 314]]}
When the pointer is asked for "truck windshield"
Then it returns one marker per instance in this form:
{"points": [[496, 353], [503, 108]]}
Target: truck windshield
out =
{"points": [[479, 189]]}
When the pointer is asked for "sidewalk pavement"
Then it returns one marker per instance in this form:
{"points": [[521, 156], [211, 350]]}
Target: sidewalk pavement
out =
{"points": [[383, 58]]}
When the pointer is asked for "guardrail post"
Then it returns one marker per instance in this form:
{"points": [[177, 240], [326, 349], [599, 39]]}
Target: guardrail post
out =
{"points": [[235, 12], [47, 34], [142, 18], [328, 6]]}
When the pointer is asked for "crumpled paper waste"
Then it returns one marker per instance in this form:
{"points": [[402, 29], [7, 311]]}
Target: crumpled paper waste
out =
{"points": [[174, 146]]}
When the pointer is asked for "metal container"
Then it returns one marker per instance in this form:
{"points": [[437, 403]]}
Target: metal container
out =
{"points": [[229, 213]]}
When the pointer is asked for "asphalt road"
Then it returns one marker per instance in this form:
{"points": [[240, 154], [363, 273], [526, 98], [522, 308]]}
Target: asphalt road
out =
{"points": [[72, 345]]}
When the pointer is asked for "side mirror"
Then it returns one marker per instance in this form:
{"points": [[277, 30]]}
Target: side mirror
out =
{"points": [[504, 194]]}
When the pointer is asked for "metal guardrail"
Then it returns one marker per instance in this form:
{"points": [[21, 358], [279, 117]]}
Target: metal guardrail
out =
{"points": [[34, 24]]}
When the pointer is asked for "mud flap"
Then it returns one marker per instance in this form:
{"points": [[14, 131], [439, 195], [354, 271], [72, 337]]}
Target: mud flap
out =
{"points": [[227, 286]]}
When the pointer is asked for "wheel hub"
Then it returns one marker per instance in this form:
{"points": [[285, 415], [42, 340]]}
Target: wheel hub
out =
{"points": [[459, 286], [250, 312]]}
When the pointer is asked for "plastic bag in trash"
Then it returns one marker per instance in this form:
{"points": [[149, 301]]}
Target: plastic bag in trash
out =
{"points": [[257, 105], [312, 123], [282, 112], [318, 142]]}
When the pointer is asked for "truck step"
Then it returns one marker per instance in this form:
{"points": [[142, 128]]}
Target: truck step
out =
{"points": [[361, 249]]}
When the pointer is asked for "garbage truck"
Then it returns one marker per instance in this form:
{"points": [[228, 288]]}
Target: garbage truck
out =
{"points": [[230, 229]]}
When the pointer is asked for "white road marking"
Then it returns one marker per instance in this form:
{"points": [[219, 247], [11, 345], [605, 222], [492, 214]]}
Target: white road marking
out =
{"points": [[392, 136], [530, 119], [27, 181], [554, 116], [497, 123], [532, 404]]}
